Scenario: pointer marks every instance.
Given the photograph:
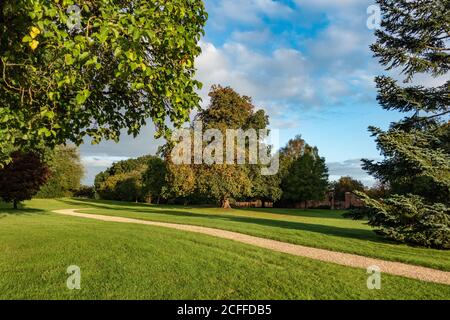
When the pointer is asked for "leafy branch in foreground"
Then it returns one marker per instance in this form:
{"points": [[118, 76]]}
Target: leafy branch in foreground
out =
{"points": [[125, 62]]}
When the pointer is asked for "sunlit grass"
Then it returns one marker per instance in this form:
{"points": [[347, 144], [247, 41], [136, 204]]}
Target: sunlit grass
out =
{"points": [[125, 261], [317, 228]]}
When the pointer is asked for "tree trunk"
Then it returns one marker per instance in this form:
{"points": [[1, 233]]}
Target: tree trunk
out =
{"points": [[226, 204], [306, 204], [15, 204], [157, 201]]}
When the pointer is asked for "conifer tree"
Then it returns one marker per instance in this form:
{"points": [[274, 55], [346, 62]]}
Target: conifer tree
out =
{"points": [[414, 39]]}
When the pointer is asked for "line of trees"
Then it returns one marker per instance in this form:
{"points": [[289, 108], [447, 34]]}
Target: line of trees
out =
{"points": [[51, 174], [123, 181], [302, 176]]}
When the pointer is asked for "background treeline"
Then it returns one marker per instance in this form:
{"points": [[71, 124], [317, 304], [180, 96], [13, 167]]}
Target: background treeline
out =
{"points": [[66, 172], [152, 179], [302, 175], [123, 181], [44, 173]]}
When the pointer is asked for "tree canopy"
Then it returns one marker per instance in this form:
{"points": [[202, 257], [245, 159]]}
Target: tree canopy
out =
{"points": [[154, 179], [229, 110], [307, 179], [95, 68], [123, 181], [222, 181], [22, 178], [66, 172]]}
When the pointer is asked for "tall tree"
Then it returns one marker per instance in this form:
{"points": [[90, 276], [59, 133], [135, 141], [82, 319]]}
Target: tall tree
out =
{"points": [[72, 69], [222, 182], [294, 149], [307, 179], [66, 173], [180, 181], [230, 110], [414, 39], [22, 178], [154, 179]]}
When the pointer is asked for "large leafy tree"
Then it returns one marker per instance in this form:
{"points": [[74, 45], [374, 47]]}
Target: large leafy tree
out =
{"points": [[66, 173], [180, 181], [92, 70], [22, 178], [222, 182], [289, 161], [414, 39], [306, 178], [154, 179]]}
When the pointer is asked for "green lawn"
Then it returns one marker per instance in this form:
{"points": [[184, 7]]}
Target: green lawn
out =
{"points": [[126, 261], [317, 228]]}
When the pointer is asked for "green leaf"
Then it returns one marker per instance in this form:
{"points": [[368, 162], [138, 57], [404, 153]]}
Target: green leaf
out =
{"points": [[117, 52], [82, 96], [83, 56], [27, 38], [68, 59]]}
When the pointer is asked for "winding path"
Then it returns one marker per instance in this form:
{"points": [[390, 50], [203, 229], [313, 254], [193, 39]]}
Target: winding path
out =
{"points": [[345, 259]]}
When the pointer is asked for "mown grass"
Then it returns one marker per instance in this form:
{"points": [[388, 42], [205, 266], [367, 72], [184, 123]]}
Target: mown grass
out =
{"points": [[125, 261], [316, 228]]}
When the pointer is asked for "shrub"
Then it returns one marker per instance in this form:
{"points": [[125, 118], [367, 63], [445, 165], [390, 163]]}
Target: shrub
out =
{"points": [[412, 220], [22, 178], [87, 192]]}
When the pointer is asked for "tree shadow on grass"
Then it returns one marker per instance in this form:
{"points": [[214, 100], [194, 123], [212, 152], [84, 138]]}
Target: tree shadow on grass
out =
{"points": [[7, 210], [308, 213], [173, 211], [107, 203]]}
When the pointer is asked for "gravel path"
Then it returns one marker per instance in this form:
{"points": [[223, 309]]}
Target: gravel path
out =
{"points": [[345, 259]]}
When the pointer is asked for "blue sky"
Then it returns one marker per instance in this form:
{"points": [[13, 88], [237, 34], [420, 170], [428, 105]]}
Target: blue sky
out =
{"points": [[306, 62]]}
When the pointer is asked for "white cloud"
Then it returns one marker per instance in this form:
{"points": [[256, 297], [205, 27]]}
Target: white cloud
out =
{"points": [[253, 36], [280, 75], [334, 87], [338, 41], [350, 168], [100, 160]]}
